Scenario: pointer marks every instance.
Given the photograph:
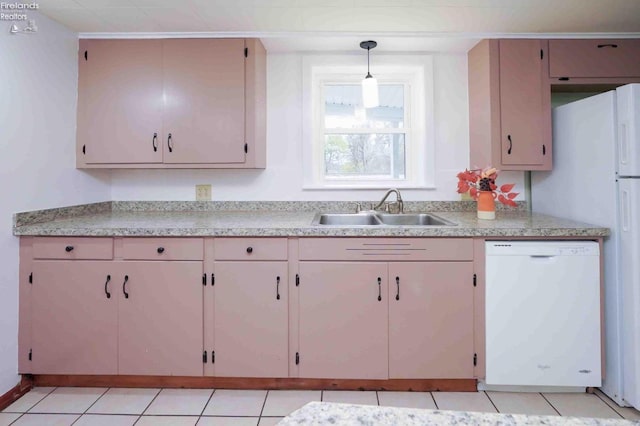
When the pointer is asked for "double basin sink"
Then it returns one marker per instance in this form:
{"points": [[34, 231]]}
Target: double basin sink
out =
{"points": [[380, 219]]}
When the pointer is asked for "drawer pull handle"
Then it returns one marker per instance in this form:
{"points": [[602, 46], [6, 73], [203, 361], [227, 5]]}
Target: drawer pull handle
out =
{"points": [[124, 286], [169, 144], [249, 250], [277, 288], [510, 144], [398, 291], [379, 289], [160, 250], [614, 46], [68, 249], [106, 289]]}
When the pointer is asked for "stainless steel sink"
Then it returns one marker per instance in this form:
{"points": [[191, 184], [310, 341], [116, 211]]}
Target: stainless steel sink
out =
{"points": [[380, 219]]}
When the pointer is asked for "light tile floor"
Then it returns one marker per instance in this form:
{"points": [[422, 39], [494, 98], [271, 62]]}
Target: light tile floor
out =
{"points": [[206, 407]]}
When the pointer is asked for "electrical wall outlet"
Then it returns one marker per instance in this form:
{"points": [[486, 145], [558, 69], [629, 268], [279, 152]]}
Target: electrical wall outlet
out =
{"points": [[203, 192]]}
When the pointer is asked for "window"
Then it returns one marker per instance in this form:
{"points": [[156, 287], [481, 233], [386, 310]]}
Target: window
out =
{"points": [[349, 146]]}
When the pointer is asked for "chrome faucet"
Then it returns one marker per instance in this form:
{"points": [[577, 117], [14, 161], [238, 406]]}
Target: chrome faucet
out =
{"points": [[386, 205]]}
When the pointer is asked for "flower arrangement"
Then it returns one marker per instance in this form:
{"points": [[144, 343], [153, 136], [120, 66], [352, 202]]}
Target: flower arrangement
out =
{"points": [[476, 180]]}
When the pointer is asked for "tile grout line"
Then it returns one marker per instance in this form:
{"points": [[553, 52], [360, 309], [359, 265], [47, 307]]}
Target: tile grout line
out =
{"points": [[213, 391], [91, 405], [491, 401], [552, 406], [377, 398], [434, 400], [263, 404], [39, 401], [608, 405], [322, 395], [147, 407]]}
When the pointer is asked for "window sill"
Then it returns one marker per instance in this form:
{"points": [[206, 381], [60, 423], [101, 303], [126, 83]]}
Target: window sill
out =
{"points": [[365, 187]]}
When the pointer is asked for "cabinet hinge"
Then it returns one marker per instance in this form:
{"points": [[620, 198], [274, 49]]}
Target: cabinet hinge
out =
{"points": [[84, 149], [246, 148], [213, 279], [297, 280], [297, 358], [204, 279], [246, 52], [31, 278], [544, 150], [204, 357], [541, 54], [475, 359], [563, 79], [213, 357], [30, 354], [86, 55], [475, 280]]}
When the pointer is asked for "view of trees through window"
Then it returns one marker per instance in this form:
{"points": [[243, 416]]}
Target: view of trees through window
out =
{"points": [[364, 142]]}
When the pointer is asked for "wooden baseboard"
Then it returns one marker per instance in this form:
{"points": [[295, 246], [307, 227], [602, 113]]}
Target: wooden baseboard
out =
{"points": [[423, 385], [16, 392]]}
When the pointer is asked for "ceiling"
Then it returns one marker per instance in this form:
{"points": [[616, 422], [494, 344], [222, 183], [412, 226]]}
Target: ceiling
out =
{"points": [[334, 25]]}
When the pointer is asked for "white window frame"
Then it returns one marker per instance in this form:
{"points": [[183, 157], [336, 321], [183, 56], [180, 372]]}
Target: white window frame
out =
{"points": [[414, 72]]}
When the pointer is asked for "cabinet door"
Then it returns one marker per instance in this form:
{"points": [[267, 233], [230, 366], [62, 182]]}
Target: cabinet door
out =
{"points": [[594, 58], [160, 318], [251, 319], [430, 320], [521, 103], [120, 101], [204, 95], [74, 320], [343, 325]]}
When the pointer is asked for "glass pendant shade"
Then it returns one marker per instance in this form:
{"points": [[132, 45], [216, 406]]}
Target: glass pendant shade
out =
{"points": [[370, 92]]}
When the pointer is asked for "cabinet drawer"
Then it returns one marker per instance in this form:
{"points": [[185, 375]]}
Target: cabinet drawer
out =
{"points": [[594, 58], [162, 248], [250, 248], [388, 249], [72, 248]]}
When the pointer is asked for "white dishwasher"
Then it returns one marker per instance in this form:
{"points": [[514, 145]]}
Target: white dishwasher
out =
{"points": [[543, 313]]}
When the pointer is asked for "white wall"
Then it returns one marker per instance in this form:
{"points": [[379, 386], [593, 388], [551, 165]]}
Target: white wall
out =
{"points": [[282, 180], [38, 86]]}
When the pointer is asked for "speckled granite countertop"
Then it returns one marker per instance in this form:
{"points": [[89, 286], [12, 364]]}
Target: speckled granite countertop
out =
{"points": [[325, 413], [155, 219]]}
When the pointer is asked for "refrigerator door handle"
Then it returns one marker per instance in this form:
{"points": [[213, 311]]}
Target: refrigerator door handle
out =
{"points": [[623, 146], [625, 210]]}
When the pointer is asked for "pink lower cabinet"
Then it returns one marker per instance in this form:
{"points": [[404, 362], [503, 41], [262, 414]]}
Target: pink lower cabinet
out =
{"points": [[251, 319], [74, 317], [430, 320], [160, 318], [343, 322]]}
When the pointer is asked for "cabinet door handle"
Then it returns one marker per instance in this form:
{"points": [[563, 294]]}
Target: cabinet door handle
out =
{"points": [[160, 250], [68, 249], [398, 290], [277, 288], [544, 150], [106, 289], [169, 143], [613, 46], [154, 142], [124, 286], [379, 289], [249, 250], [510, 144]]}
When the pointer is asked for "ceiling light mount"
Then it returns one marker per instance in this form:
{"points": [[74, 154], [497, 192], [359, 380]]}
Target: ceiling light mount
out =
{"points": [[369, 84]]}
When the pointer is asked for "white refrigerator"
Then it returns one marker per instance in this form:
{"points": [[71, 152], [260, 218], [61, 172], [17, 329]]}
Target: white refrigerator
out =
{"points": [[596, 179]]}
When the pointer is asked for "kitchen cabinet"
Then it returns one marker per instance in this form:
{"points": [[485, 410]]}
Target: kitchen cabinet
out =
{"points": [[594, 58], [509, 105], [251, 319], [430, 320], [160, 318], [343, 323], [74, 317], [172, 103]]}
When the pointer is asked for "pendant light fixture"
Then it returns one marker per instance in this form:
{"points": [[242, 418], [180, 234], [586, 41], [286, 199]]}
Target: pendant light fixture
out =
{"points": [[369, 84]]}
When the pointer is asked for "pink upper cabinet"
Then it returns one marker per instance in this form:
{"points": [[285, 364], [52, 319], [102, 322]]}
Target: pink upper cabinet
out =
{"points": [[604, 58], [120, 101], [172, 103]]}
